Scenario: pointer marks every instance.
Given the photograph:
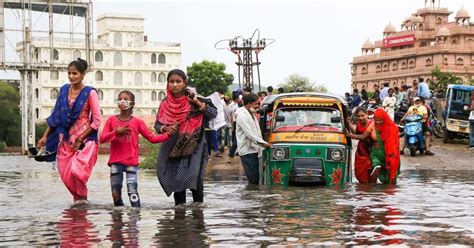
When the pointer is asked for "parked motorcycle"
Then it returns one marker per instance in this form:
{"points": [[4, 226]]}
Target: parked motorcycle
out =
{"points": [[414, 138]]}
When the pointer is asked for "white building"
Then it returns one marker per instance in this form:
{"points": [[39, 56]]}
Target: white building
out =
{"points": [[121, 58]]}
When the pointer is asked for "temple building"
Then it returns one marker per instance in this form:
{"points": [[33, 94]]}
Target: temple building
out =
{"points": [[426, 39]]}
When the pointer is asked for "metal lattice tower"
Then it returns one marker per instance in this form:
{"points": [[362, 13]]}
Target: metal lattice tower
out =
{"points": [[25, 64], [246, 50]]}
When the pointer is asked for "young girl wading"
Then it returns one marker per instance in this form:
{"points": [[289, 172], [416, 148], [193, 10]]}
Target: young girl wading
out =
{"points": [[122, 131]]}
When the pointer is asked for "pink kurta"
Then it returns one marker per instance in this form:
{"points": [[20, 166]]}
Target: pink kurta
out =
{"points": [[75, 167]]}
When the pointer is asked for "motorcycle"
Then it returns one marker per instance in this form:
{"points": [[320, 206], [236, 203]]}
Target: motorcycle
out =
{"points": [[413, 131]]}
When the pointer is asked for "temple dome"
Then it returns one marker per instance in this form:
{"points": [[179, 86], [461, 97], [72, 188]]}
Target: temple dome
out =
{"points": [[368, 45], [390, 29], [418, 19], [443, 32], [462, 14]]}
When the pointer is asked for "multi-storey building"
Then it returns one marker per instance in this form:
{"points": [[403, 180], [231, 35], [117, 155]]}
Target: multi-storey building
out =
{"points": [[426, 39], [121, 58]]}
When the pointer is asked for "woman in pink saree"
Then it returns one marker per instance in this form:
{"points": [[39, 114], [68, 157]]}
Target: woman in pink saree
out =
{"points": [[72, 131]]}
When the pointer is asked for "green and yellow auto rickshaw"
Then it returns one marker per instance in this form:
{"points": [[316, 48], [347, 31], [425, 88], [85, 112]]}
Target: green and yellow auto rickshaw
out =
{"points": [[458, 101], [307, 131]]}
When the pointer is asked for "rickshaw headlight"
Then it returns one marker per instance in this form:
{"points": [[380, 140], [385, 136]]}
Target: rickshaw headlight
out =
{"points": [[336, 154], [280, 153]]}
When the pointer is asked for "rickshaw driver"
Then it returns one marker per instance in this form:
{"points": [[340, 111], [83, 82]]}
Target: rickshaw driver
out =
{"points": [[419, 109]]}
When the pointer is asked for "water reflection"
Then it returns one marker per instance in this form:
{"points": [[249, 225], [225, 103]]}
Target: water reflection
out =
{"points": [[181, 228], [124, 233], [425, 208], [75, 229]]}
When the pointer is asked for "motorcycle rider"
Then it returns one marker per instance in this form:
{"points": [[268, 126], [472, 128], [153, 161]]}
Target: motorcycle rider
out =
{"points": [[419, 109]]}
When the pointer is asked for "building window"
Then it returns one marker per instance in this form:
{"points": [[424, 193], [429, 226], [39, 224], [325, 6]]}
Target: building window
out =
{"points": [[37, 113], [36, 93], [153, 77], [153, 96], [459, 61], [99, 76], [364, 70], [161, 59], [411, 64], [394, 66], [161, 95], [138, 59], [99, 56], [76, 54], [118, 78], [454, 42], [445, 60], [162, 77], [385, 67], [100, 93], [117, 39], [53, 94], [138, 78], [439, 20], [404, 65], [117, 59], [101, 112], [55, 54], [153, 112], [54, 75], [153, 58], [353, 70], [428, 62], [378, 68]]}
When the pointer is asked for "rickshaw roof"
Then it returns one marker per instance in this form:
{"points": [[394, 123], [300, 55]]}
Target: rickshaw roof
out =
{"points": [[461, 87], [302, 97]]}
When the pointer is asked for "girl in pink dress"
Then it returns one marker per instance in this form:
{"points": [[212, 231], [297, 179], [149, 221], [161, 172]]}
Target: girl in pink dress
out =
{"points": [[72, 131], [122, 131]]}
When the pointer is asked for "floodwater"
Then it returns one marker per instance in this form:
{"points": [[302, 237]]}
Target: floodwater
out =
{"points": [[425, 208]]}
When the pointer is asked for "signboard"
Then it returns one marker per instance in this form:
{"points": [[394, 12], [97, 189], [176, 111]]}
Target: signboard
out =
{"points": [[308, 137], [397, 41]]}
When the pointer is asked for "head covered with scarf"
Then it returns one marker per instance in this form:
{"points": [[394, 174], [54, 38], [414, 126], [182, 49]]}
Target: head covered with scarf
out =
{"points": [[178, 109], [388, 131]]}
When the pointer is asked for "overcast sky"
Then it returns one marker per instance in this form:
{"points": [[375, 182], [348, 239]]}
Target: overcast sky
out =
{"points": [[316, 39]]}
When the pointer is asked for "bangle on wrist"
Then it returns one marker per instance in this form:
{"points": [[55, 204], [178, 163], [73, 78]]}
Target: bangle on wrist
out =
{"points": [[161, 129]]}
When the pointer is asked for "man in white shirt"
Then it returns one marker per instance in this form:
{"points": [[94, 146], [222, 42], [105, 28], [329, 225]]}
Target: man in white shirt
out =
{"points": [[249, 138], [384, 92]]}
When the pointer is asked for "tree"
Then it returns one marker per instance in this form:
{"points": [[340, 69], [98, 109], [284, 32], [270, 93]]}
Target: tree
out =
{"points": [[209, 77], [442, 79], [10, 119], [295, 81]]}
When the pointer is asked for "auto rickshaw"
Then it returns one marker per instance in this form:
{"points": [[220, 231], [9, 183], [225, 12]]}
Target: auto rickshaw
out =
{"points": [[458, 101], [309, 140]]}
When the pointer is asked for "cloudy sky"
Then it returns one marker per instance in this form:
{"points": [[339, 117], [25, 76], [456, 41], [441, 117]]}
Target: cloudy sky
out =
{"points": [[316, 39]]}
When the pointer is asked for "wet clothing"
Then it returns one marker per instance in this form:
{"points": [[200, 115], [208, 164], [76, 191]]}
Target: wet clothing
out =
{"points": [[70, 118], [124, 149], [176, 174], [116, 179], [362, 164], [386, 151]]}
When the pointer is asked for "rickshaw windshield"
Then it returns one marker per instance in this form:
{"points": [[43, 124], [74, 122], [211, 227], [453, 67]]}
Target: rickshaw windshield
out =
{"points": [[312, 119]]}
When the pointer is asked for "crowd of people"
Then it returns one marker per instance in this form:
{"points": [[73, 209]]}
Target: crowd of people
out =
{"points": [[192, 128]]}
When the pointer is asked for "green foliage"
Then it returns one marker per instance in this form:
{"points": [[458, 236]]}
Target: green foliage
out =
{"points": [[441, 80], [296, 81], [209, 77], [39, 130], [10, 119], [3, 145], [149, 163]]}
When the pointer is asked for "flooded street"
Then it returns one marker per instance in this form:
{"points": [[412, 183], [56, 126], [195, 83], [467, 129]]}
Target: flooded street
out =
{"points": [[427, 207]]}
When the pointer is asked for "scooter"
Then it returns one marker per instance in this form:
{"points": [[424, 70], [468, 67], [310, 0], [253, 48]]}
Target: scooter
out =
{"points": [[414, 138]]}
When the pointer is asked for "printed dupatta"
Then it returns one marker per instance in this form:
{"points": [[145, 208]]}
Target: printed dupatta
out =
{"points": [[63, 117]]}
